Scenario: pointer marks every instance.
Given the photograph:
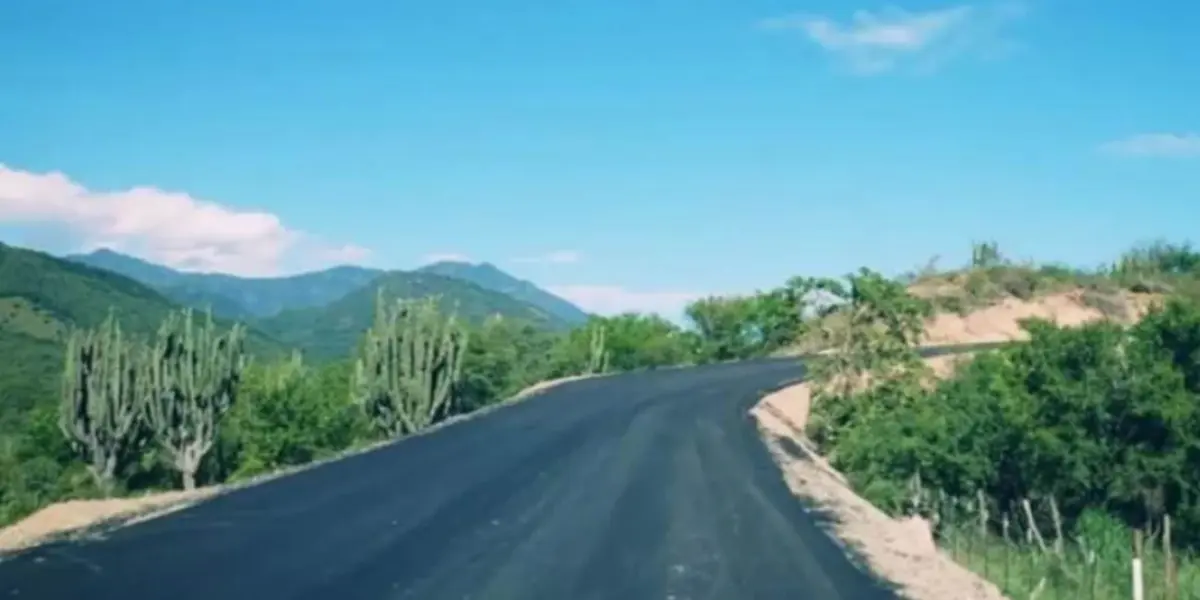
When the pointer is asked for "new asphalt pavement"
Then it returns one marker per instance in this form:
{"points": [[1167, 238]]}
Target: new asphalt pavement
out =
{"points": [[650, 485]]}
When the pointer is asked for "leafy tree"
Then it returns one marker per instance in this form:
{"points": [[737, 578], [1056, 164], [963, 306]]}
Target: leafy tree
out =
{"points": [[726, 327], [742, 327], [883, 324], [291, 414], [504, 356], [632, 341]]}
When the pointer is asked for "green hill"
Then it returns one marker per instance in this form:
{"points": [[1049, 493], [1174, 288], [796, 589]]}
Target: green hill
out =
{"points": [[232, 296], [42, 297], [261, 297], [488, 276], [334, 330]]}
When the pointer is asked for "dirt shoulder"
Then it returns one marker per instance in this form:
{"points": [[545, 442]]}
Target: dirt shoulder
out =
{"points": [[900, 551], [82, 518], [79, 518], [543, 386]]}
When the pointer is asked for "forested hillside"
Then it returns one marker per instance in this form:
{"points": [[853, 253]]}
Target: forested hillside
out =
{"points": [[488, 276], [250, 298], [331, 331], [42, 298], [236, 297]]}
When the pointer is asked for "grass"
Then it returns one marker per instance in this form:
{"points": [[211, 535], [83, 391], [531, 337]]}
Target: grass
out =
{"points": [[1094, 562], [20, 315]]}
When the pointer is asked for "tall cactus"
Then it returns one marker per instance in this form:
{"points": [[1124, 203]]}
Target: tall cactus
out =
{"points": [[408, 366], [985, 255], [104, 387], [194, 371], [597, 351]]}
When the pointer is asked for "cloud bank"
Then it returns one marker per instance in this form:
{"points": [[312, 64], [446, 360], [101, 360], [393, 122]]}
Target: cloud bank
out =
{"points": [[170, 228]]}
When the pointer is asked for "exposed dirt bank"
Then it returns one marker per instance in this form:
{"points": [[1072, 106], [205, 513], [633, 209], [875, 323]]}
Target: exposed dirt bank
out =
{"points": [[900, 551], [1001, 322]]}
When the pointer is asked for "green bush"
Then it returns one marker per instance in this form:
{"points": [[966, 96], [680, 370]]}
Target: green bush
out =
{"points": [[289, 414], [1097, 417]]}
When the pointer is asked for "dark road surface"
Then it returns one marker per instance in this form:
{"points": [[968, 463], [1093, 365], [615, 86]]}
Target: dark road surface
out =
{"points": [[644, 486]]}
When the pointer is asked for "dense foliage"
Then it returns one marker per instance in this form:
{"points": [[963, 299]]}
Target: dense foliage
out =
{"points": [[1103, 419]]}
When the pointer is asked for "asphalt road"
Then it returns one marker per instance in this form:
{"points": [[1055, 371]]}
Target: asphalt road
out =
{"points": [[644, 486]]}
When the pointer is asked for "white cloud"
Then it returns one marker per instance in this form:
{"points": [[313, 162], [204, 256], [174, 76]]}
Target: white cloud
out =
{"points": [[170, 228], [876, 42], [612, 300], [1168, 145], [436, 257], [558, 257]]}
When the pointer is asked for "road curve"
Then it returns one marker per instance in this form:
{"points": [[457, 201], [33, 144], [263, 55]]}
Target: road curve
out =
{"points": [[650, 485]]}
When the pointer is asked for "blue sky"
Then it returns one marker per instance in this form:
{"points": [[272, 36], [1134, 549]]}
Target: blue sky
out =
{"points": [[630, 154]]}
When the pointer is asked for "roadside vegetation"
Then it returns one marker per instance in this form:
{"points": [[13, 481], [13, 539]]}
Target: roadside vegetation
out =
{"points": [[190, 406], [1036, 462], [1041, 465]]}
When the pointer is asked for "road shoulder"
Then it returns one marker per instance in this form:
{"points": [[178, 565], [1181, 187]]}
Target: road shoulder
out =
{"points": [[899, 551]]}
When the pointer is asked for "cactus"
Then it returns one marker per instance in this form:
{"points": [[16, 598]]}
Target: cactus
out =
{"points": [[194, 372], [282, 375], [104, 387], [985, 255], [597, 352], [408, 367]]}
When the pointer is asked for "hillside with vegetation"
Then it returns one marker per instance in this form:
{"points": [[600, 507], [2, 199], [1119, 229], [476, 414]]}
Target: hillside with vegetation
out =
{"points": [[250, 298], [1034, 463], [42, 298], [331, 331], [231, 296], [489, 277], [1037, 465]]}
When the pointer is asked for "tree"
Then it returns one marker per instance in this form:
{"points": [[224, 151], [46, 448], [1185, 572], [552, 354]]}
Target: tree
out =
{"points": [[288, 415], [504, 356], [726, 326], [877, 337]]}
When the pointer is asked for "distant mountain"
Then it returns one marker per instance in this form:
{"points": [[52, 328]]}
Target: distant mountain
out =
{"points": [[236, 297], [148, 273], [42, 297], [488, 276], [260, 297], [334, 331]]}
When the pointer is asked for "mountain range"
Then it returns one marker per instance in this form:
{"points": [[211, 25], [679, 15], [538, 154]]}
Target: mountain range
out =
{"points": [[265, 297]]}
